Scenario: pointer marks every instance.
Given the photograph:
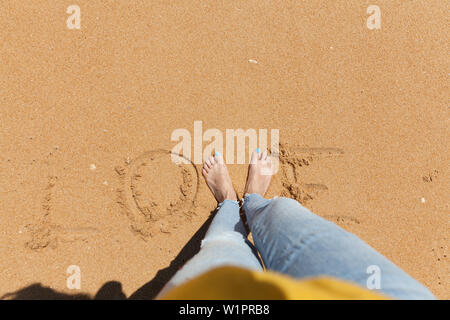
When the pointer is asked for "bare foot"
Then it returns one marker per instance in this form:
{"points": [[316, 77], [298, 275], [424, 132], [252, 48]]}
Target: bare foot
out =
{"points": [[217, 178], [260, 171]]}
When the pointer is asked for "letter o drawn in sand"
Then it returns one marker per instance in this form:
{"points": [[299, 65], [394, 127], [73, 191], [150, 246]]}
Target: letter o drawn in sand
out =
{"points": [[157, 194]]}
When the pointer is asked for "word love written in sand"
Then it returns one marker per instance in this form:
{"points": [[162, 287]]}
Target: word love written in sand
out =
{"points": [[74, 20]]}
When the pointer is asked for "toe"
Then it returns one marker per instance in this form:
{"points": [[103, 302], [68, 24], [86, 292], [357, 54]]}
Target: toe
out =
{"points": [[260, 155], [254, 157], [264, 155], [208, 163], [204, 171], [218, 157], [212, 160]]}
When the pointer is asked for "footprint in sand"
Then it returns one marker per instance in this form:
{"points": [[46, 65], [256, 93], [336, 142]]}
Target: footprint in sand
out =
{"points": [[157, 195]]}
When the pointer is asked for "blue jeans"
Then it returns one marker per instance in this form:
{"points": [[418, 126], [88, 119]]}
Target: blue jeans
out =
{"points": [[293, 241]]}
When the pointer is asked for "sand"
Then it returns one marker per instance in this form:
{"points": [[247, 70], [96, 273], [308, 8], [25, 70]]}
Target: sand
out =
{"points": [[87, 116]]}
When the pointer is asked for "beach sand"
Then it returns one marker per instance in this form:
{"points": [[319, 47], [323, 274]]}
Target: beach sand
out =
{"points": [[87, 116]]}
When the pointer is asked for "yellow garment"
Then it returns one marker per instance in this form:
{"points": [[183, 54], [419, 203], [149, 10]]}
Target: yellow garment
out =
{"points": [[229, 283]]}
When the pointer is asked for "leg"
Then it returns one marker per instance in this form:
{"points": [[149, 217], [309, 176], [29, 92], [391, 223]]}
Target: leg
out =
{"points": [[225, 242], [294, 241]]}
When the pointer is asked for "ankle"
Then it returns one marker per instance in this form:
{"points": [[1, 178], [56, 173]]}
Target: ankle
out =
{"points": [[231, 197]]}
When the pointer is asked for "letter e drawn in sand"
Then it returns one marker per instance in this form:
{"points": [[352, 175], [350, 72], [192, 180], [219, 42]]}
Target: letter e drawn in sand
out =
{"points": [[295, 159]]}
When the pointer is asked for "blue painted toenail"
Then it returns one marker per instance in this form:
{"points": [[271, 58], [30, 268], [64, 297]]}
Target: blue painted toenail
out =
{"points": [[257, 150], [217, 154]]}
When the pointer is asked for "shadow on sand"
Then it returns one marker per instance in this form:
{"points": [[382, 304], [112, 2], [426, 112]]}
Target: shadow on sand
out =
{"points": [[112, 290]]}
